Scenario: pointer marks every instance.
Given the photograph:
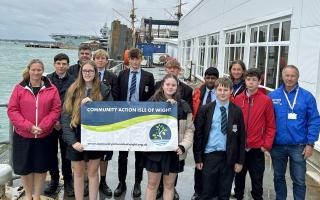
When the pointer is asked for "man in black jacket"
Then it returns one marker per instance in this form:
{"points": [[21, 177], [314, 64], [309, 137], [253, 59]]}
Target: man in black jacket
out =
{"points": [[173, 67], [135, 85], [219, 145], [84, 54], [62, 80]]}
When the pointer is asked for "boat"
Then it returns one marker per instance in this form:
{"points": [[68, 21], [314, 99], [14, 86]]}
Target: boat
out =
{"points": [[72, 40]]}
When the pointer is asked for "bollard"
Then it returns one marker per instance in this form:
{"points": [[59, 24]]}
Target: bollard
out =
{"points": [[5, 176]]}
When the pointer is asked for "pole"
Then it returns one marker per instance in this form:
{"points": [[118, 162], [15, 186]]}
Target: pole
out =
{"points": [[133, 16]]}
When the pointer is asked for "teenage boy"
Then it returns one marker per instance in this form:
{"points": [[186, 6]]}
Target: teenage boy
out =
{"points": [[260, 127], [135, 85], [219, 144], [100, 57], [62, 80], [203, 95]]}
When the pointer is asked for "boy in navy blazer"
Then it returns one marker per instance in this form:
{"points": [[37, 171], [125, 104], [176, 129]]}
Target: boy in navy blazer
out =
{"points": [[135, 85], [219, 146]]}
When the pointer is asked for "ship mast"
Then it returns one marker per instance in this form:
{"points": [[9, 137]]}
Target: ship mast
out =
{"points": [[133, 17], [179, 13]]}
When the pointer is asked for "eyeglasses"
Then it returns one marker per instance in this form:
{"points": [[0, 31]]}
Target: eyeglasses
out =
{"points": [[87, 71]]}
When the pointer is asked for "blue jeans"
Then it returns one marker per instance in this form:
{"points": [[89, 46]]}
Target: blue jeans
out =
{"points": [[280, 155]]}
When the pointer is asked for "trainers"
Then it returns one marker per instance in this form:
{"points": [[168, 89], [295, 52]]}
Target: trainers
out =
{"points": [[51, 187], [104, 188]]}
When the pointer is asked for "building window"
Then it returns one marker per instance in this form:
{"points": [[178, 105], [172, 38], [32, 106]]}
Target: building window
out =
{"points": [[186, 52], [213, 45], [234, 46], [201, 56], [269, 48]]}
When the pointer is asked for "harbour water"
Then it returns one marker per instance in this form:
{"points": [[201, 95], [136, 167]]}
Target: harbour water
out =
{"points": [[14, 57]]}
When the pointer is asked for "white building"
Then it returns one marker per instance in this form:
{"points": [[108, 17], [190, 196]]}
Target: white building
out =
{"points": [[264, 34]]}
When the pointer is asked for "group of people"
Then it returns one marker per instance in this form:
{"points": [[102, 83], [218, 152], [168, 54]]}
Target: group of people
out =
{"points": [[230, 122]]}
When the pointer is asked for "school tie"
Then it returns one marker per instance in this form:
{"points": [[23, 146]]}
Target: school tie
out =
{"points": [[100, 76], [209, 97], [133, 84], [223, 120]]}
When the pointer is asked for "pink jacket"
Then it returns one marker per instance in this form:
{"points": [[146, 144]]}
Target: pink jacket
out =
{"points": [[26, 110]]}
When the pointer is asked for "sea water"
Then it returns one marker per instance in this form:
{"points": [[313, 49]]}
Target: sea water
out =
{"points": [[14, 57]]}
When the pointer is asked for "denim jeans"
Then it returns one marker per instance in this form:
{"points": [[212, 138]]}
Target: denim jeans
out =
{"points": [[280, 155]]}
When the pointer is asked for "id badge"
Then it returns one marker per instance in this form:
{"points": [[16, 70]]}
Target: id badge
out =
{"points": [[146, 88], [292, 116]]}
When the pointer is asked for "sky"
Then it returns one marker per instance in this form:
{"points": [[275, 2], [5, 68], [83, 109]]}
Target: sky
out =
{"points": [[37, 19]]}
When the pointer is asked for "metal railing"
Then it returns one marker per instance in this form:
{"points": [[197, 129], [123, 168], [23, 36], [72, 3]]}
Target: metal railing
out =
{"points": [[9, 143]]}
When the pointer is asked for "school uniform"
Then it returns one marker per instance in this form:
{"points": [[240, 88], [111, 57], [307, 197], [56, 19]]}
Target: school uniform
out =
{"points": [[144, 89], [219, 144]]}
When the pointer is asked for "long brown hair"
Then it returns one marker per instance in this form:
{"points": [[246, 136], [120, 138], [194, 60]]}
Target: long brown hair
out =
{"points": [[159, 94], [25, 73], [76, 93], [243, 66]]}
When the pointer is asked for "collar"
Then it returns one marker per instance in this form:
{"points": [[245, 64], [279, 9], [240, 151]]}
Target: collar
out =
{"points": [[293, 90], [138, 70], [212, 90], [218, 103]]}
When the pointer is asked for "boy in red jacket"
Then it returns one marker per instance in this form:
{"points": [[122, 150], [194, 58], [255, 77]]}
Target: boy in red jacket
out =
{"points": [[260, 127]]}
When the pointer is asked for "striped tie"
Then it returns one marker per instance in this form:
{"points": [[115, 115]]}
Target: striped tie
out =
{"points": [[133, 84], [100, 76], [223, 120], [208, 100]]}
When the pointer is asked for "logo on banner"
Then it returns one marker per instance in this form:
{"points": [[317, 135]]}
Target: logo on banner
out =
{"points": [[160, 134]]}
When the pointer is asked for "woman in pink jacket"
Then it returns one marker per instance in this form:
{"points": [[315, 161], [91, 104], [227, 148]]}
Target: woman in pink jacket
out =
{"points": [[34, 108]]}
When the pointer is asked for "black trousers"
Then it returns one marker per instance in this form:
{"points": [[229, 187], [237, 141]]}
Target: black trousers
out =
{"points": [[217, 175], [255, 164], [123, 165], [66, 164], [197, 181]]}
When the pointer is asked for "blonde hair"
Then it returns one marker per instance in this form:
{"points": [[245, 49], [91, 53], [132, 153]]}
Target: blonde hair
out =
{"points": [[25, 73], [100, 53], [76, 93]]}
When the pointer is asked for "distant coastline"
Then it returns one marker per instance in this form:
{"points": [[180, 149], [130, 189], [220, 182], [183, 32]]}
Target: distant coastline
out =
{"points": [[27, 41]]}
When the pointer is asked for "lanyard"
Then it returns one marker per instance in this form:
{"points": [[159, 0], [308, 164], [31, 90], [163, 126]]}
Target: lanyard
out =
{"points": [[294, 101], [237, 90]]}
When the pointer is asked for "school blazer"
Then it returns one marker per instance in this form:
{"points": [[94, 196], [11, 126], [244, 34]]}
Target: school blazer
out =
{"points": [[235, 147], [146, 85], [111, 79]]}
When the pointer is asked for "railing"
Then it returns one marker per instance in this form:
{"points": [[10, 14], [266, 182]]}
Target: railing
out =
{"points": [[9, 142], [117, 66]]}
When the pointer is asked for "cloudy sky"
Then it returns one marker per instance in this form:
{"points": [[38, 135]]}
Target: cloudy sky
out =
{"points": [[37, 19]]}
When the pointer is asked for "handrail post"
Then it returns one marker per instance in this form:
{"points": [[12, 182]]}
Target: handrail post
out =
{"points": [[10, 148]]}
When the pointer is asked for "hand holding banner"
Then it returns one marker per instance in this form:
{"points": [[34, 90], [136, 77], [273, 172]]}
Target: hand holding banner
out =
{"points": [[127, 126]]}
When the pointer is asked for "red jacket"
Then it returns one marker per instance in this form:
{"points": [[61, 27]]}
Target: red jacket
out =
{"points": [[259, 119], [197, 98], [26, 110]]}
